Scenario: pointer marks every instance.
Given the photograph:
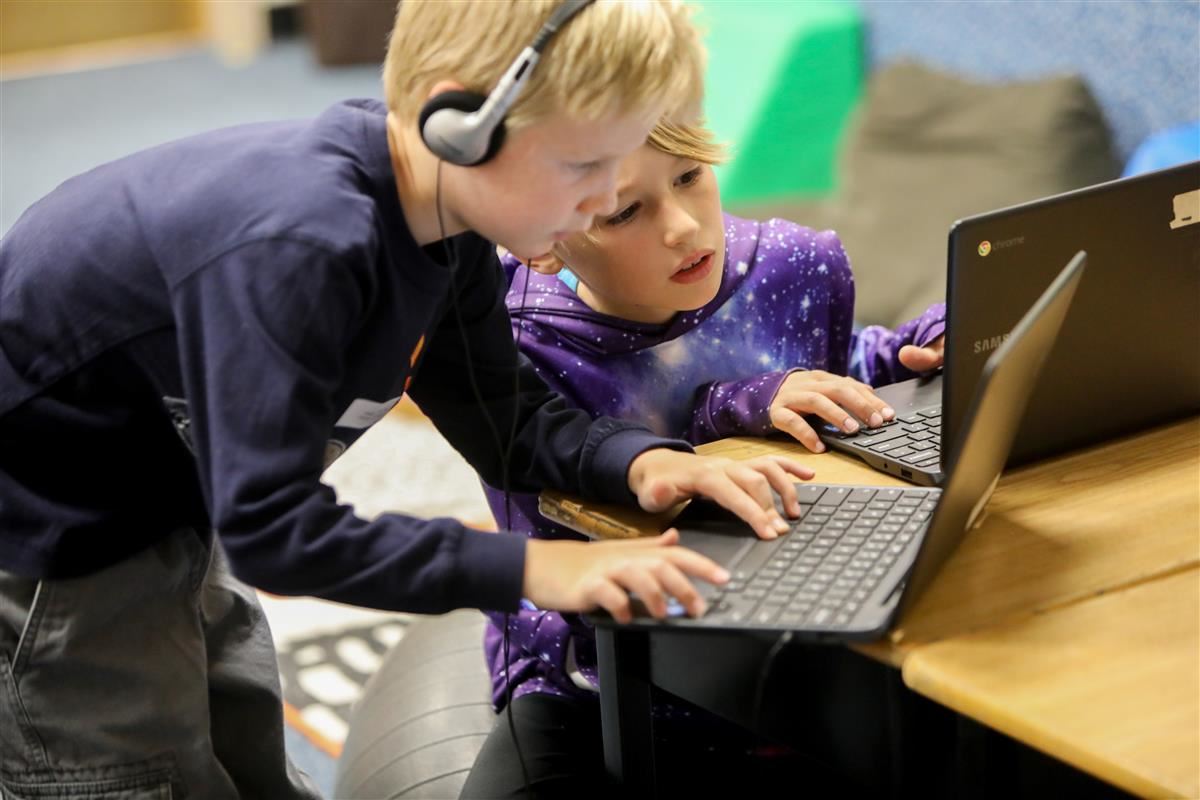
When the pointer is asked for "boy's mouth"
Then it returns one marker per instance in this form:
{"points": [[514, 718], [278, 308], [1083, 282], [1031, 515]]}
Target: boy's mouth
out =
{"points": [[694, 268]]}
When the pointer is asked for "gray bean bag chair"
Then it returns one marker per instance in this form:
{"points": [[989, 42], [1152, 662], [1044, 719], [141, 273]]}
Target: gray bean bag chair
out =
{"points": [[927, 147]]}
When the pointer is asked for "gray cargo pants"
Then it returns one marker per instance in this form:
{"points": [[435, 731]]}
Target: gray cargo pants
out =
{"points": [[153, 678]]}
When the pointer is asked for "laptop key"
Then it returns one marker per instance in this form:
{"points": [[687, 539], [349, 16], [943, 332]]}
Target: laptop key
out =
{"points": [[765, 616], [900, 452], [794, 618], [737, 609], [834, 495], [809, 495]]}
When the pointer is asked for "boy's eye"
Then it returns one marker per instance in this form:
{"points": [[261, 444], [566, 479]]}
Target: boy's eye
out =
{"points": [[623, 215], [586, 166], [690, 177]]}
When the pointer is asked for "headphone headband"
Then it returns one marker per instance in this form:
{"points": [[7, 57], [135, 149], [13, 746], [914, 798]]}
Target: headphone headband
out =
{"points": [[466, 128]]}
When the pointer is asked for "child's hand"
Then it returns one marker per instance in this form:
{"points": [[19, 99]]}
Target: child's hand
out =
{"points": [[661, 478], [579, 576], [828, 396], [924, 359]]}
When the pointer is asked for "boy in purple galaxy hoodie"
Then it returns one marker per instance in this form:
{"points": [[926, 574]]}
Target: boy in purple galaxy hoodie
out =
{"points": [[700, 325]]}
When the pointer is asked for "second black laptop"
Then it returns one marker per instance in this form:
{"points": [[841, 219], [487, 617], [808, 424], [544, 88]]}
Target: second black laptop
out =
{"points": [[1125, 358]]}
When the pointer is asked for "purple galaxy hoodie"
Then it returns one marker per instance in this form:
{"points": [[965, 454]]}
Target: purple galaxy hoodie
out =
{"points": [[786, 302]]}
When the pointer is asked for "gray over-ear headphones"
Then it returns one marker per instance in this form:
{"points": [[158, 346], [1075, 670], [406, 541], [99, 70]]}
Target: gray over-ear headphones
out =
{"points": [[466, 128]]}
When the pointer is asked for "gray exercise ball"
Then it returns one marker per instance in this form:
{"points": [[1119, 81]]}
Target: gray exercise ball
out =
{"points": [[423, 716]]}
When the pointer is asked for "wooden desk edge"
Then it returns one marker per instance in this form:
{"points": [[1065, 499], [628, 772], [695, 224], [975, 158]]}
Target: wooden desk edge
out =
{"points": [[921, 673]]}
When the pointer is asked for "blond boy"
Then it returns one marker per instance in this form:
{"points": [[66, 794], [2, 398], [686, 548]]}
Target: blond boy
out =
{"points": [[190, 334]]}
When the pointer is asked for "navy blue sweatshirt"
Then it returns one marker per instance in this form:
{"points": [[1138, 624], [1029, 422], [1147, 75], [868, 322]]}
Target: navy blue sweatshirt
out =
{"points": [[188, 336]]}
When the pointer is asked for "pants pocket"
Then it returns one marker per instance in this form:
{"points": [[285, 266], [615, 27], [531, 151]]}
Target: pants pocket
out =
{"points": [[145, 780], [22, 604]]}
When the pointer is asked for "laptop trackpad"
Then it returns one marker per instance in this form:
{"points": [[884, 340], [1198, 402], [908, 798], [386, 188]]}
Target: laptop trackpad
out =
{"points": [[710, 530], [722, 548]]}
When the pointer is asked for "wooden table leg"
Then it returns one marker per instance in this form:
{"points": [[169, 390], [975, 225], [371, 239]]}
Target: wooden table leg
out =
{"points": [[623, 660]]}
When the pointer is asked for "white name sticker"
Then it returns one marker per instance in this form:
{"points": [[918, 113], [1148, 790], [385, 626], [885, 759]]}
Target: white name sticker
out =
{"points": [[365, 413]]}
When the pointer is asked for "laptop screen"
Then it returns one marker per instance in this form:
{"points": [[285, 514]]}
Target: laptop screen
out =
{"points": [[1120, 362]]}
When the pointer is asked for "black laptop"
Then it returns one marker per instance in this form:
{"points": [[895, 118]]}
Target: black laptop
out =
{"points": [[858, 555], [1126, 356]]}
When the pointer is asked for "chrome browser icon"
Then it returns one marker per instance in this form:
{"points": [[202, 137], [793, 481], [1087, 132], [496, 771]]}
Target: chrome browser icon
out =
{"points": [[985, 247]]}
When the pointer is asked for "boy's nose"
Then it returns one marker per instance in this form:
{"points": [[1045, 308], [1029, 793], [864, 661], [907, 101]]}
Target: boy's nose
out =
{"points": [[681, 228], [600, 203], [602, 200]]}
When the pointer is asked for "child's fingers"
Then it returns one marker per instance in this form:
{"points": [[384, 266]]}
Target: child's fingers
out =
{"points": [[612, 598], [921, 359], [858, 400], [780, 481], [751, 499], [635, 576], [676, 584], [786, 420], [755, 481], [793, 467], [668, 537], [819, 404]]}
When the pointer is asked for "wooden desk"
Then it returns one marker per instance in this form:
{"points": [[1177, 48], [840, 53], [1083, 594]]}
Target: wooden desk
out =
{"points": [[1096, 522], [1110, 685]]}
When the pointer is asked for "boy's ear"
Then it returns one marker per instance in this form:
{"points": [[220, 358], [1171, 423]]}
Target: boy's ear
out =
{"points": [[547, 264], [443, 86]]}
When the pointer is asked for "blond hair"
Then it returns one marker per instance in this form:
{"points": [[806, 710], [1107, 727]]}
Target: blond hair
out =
{"points": [[692, 141], [626, 56]]}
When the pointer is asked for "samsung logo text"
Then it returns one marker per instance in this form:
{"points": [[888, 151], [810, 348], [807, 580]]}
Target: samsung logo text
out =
{"points": [[990, 343]]}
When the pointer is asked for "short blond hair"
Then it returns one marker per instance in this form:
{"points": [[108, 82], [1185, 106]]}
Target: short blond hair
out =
{"points": [[615, 56], [692, 141]]}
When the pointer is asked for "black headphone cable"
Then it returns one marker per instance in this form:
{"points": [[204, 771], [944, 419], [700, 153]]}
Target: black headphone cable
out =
{"points": [[505, 452]]}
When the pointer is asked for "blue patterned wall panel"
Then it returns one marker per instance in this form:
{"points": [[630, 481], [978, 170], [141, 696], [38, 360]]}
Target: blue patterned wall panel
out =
{"points": [[1141, 58]]}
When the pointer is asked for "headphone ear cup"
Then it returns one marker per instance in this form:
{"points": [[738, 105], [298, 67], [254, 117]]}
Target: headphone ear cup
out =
{"points": [[452, 109]]}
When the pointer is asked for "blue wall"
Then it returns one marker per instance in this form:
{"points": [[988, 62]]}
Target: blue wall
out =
{"points": [[1141, 58]]}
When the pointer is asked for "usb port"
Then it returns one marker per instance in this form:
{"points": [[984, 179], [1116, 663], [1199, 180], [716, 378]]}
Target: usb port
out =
{"points": [[907, 473]]}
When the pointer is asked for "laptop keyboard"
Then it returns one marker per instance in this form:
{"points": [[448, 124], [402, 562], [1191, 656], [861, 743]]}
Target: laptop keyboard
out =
{"points": [[821, 572], [914, 439]]}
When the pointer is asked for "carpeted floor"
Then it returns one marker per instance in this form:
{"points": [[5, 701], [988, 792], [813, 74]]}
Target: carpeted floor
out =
{"points": [[56, 125]]}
